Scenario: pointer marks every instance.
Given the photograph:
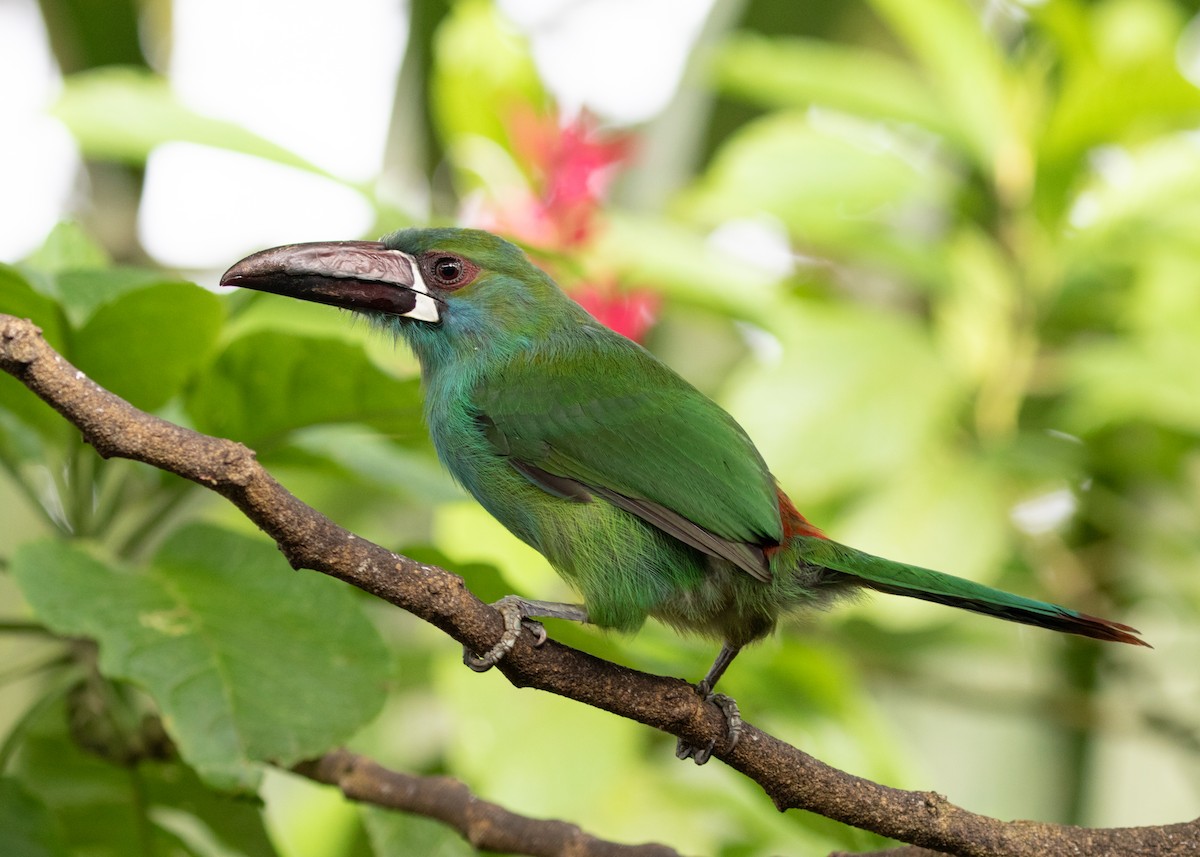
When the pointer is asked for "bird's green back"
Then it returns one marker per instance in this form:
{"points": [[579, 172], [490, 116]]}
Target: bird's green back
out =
{"points": [[606, 413]]}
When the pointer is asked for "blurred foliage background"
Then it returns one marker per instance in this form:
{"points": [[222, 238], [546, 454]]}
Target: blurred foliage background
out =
{"points": [[939, 257]]}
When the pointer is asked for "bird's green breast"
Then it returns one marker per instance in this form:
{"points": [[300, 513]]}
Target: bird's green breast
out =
{"points": [[579, 412], [623, 568]]}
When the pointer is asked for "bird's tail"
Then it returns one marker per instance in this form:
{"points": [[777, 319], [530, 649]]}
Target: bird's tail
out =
{"points": [[912, 581]]}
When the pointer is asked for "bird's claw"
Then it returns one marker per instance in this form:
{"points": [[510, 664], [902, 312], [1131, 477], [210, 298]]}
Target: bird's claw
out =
{"points": [[514, 620], [733, 728]]}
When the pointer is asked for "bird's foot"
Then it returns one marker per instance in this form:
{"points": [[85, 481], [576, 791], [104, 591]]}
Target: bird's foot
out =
{"points": [[517, 612], [733, 727], [515, 618]]}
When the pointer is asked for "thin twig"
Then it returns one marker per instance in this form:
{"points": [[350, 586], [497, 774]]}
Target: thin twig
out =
{"points": [[487, 826]]}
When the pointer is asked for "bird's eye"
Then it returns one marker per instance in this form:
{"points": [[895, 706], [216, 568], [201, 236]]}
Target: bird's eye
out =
{"points": [[449, 272], [448, 269]]}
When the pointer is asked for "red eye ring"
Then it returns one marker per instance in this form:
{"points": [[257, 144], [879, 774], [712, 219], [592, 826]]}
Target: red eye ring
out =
{"points": [[448, 270]]}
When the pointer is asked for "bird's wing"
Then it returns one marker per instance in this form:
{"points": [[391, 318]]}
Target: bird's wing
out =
{"points": [[605, 417]]}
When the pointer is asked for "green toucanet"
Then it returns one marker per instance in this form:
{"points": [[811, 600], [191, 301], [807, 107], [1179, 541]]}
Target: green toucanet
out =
{"points": [[640, 491]]}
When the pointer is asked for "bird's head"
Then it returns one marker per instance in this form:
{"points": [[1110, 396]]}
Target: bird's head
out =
{"points": [[443, 290]]}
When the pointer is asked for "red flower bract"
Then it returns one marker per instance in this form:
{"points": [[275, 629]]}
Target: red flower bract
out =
{"points": [[570, 167]]}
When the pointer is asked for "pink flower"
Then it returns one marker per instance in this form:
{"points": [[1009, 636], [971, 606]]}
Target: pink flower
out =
{"points": [[629, 312], [570, 167]]}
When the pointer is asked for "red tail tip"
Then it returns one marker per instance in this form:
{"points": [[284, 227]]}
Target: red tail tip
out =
{"points": [[1106, 629]]}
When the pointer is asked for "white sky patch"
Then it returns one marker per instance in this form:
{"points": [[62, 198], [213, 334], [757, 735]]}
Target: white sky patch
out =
{"points": [[38, 158], [315, 77], [758, 241], [1085, 211], [764, 345], [1116, 169], [1046, 512], [622, 59], [206, 208], [1187, 51], [761, 242]]}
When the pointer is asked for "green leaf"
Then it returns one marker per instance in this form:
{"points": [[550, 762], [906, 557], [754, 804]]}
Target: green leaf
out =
{"points": [[799, 72], [366, 456], [68, 248], [1121, 75], [394, 832], [27, 828], [1116, 382], [84, 291], [145, 344], [247, 661], [107, 809], [805, 176], [966, 68], [207, 821], [686, 266], [875, 377], [17, 297], [833, 188], [75, 271], [121, 114], [944, 511], [267, 384], [95, 801], [1152, 200], [481, 60]]}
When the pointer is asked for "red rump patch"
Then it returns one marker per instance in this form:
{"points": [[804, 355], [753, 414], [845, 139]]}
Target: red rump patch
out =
{"points": [[794, 524]]}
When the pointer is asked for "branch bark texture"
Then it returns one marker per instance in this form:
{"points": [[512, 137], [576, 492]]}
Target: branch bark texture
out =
{"points": [[485, 825], [791, 778]]}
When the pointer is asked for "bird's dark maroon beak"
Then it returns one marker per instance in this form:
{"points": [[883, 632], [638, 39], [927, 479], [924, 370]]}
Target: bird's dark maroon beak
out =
{"points": [[357, 275]]}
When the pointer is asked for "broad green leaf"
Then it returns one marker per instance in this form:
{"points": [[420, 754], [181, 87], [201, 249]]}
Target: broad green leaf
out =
{"points": [[247, 661], [1121, 76], [123, 113], [1149, 197], [1115, 382], [84, 291], [684, 265], [965, 66], [799, 72], [394, 832], [95, 802], [72, 268], [68, 248], [479, 59], [27, 828], [266, 384], [374, 460], [835, 191], [145, 344], [856, 395], [803, 175], [944, 511], [17, 297], [103, 806], [206, 820]]}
